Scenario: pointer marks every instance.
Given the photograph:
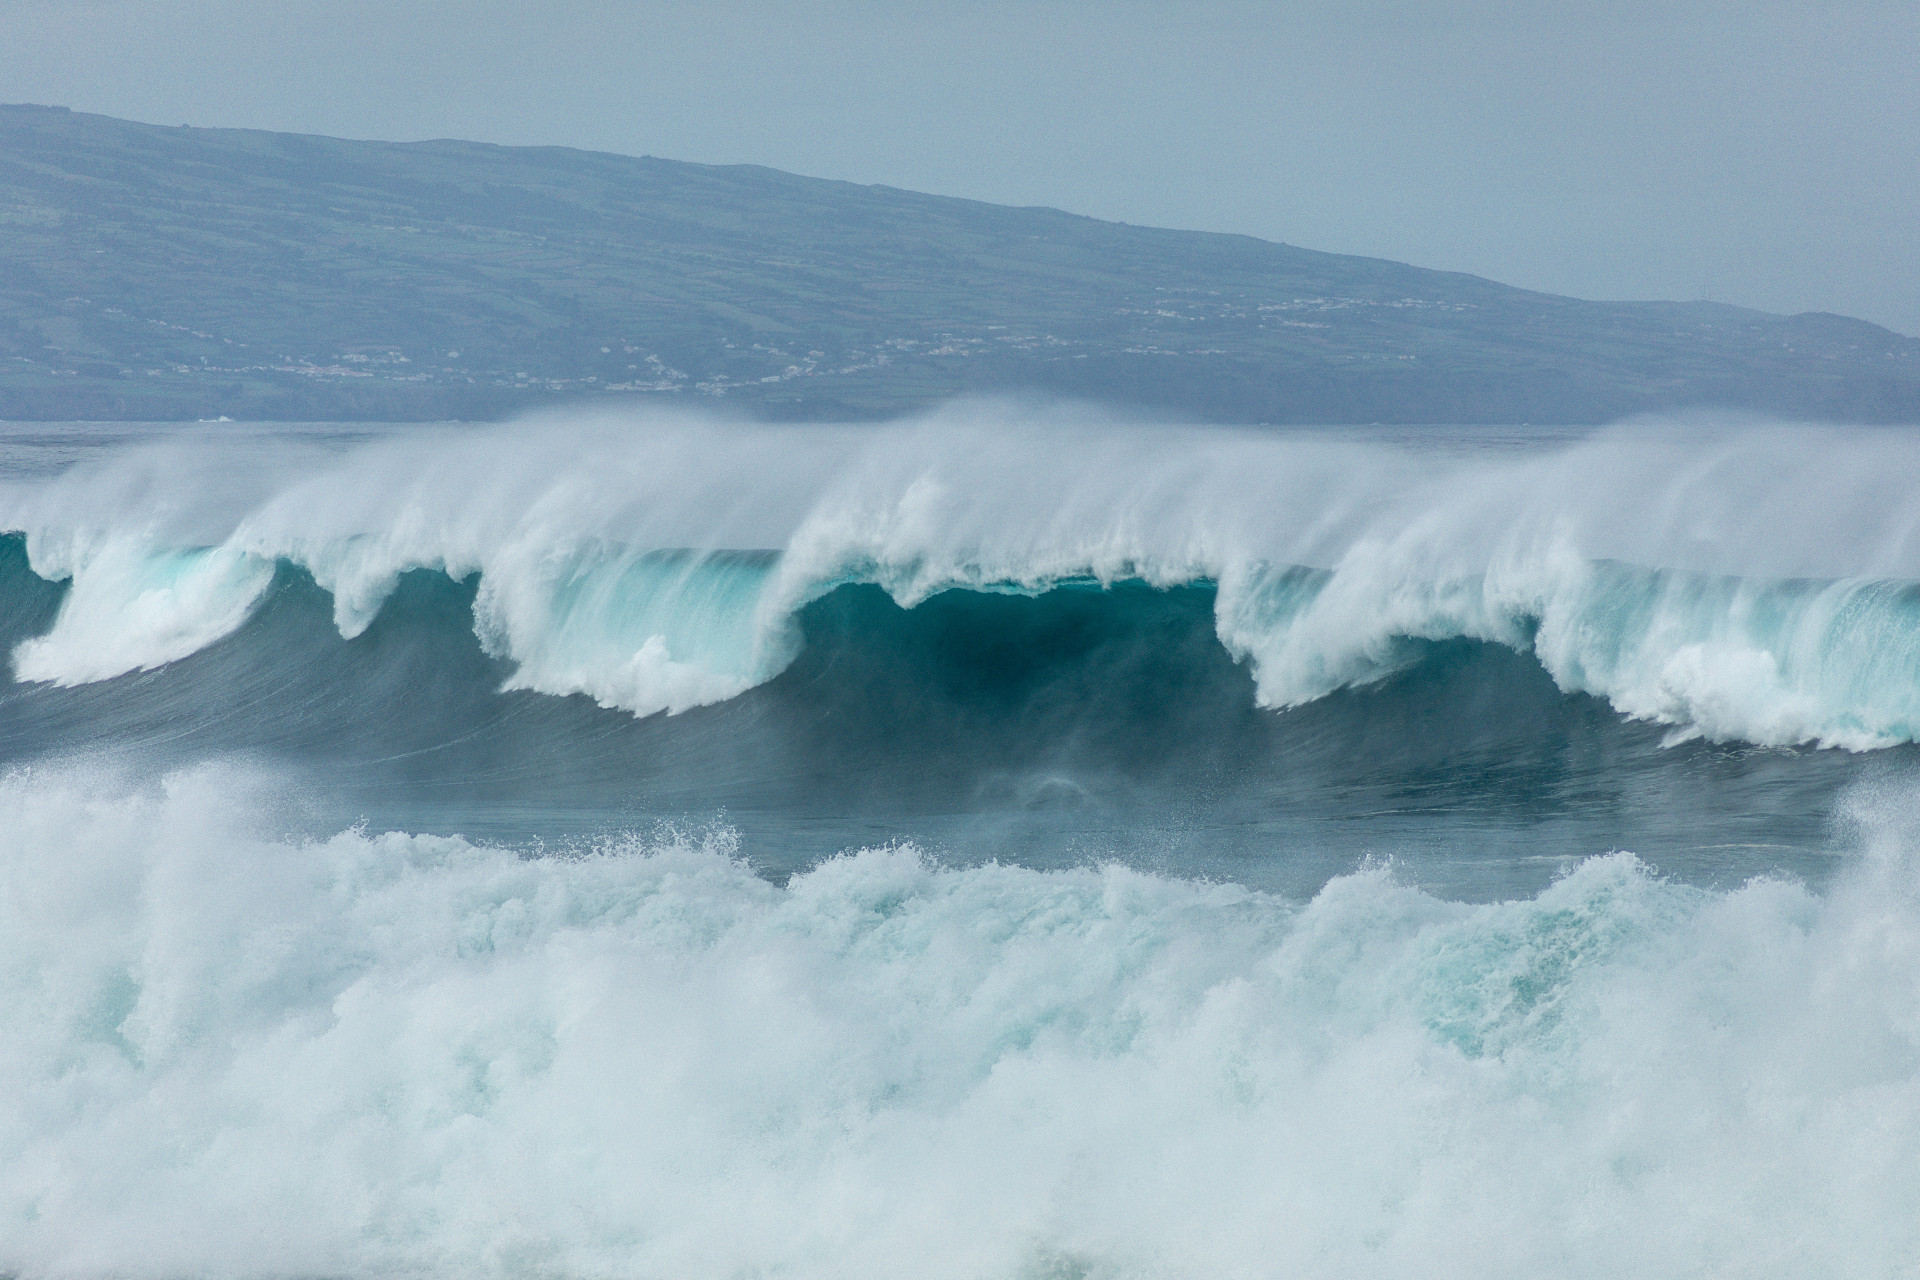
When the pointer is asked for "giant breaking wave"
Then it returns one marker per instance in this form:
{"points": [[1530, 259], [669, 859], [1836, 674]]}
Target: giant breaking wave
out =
{"points": [[1695, 578]]}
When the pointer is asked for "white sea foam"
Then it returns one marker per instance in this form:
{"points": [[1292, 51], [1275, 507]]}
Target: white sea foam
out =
{"points": [[1737, 583], [227, 1054]]}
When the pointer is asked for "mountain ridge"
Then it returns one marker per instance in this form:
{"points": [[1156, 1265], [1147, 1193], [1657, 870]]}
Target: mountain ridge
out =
{"points": [[151, 271]]}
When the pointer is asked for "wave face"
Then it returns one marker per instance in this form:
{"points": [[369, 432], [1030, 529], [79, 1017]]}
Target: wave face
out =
{"points": [[230, 1055], [998, 633]]}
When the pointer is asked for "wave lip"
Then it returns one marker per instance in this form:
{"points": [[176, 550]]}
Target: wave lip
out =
{"points": [[646, 632]]}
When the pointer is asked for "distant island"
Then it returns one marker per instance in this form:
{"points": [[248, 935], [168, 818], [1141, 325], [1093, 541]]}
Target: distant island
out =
{"points": [[156, 273]]}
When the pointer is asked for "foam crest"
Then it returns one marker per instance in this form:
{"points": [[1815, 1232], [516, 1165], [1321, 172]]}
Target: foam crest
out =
{"points": [[233, 1055]]}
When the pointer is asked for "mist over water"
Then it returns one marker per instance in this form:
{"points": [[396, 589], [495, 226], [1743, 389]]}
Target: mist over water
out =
{"points": [[1014, 842]]}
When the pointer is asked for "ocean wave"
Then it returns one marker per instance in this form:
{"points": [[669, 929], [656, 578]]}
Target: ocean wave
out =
{"points": [[1735, 586], [233, 1055], [1771, 662]]}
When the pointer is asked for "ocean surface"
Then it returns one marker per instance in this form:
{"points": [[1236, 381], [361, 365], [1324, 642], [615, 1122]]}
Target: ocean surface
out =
{"points": [[1008, 843]]}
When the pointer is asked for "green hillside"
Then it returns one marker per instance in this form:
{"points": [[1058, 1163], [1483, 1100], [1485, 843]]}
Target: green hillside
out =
{"points": [[149, 272]]}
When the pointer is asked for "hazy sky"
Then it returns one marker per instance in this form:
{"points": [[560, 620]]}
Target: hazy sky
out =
{"points": [[1764, 153]]}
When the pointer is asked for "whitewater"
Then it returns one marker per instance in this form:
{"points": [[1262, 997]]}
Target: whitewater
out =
{"points": [[1013, 842]]}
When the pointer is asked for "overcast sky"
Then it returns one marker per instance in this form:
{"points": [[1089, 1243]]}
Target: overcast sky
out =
{"points": [[1763, 153]]}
